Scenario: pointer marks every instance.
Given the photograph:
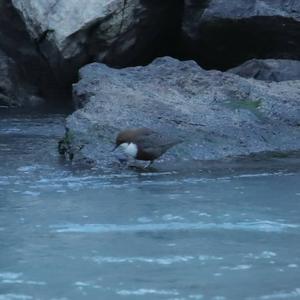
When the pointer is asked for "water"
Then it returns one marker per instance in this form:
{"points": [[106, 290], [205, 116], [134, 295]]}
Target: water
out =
{"points": [[231, 233]]}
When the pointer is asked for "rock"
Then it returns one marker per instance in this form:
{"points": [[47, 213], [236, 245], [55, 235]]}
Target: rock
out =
{"points": [[221, 9], [23, 57], [69, 34], [222, 34], [218, 114], [269, 69], [14, 91]]}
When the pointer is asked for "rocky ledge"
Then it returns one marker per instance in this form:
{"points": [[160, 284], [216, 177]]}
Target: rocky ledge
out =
{"points": [[218, 114], [269, 69]]}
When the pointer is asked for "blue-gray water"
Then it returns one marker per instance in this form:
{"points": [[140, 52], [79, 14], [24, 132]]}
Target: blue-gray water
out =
{"points": [[77, 234]]}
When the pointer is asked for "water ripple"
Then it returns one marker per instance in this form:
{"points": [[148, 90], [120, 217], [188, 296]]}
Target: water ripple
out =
{"points": [[261, 226], [141, 292], [160, 260], [280, 295]]}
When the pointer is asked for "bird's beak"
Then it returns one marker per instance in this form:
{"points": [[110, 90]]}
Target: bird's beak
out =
{"points": [[114, 148]]}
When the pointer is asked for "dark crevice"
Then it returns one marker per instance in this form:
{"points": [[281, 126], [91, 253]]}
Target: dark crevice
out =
{"points": [[156, 34], [224, 44], [32, 66]]}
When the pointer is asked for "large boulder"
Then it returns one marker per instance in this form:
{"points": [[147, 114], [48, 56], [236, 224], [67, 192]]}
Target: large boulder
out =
{"points": [[22, 57], [17, 43], [69, 34], [222, 34], [269, 69], [217, 114]]}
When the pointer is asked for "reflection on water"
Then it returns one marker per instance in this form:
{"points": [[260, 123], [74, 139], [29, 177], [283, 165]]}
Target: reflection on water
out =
{"points": [[66, 233]]}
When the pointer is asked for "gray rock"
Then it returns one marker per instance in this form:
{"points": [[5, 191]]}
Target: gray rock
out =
{"points": [[269, 69], [217, 114], [30, 65], [251, 8], [70, 34], [14, 91], [222, 34]]}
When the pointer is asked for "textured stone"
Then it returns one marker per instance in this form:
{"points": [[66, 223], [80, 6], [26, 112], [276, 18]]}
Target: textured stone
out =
{"points": [[269, 69], [24, 57], [218, 114], [222, 34], [72, 33]]}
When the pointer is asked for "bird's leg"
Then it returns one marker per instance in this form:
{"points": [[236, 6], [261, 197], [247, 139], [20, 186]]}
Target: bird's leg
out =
{"points": [[150, 163]]}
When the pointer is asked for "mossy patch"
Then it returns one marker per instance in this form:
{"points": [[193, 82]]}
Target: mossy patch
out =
{"points": [[64, 145], [248, 104]]}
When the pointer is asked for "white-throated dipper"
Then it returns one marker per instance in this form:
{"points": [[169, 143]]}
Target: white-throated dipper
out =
{"points": [[144, 143]]}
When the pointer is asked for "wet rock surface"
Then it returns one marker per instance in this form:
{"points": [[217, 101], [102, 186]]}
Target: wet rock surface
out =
{"points": [[218, 114]]}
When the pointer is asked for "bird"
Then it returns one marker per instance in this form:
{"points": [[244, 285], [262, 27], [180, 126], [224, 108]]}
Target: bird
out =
{"points": [[144, 143]]}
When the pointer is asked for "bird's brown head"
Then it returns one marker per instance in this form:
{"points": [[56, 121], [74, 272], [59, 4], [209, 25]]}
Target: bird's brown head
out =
{"points": [[124, 136]]}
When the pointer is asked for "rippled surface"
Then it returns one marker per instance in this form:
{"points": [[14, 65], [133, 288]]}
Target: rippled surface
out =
{"points": [[78, 234]]}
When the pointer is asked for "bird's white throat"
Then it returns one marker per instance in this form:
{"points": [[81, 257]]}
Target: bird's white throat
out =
{"points": [[130, 149]]}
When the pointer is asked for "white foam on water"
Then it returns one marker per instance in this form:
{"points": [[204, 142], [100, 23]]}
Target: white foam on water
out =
{"points": [[279, 295], [10, 275], [30, 193], [260, 226], [203, 214], [141, 292], [293, 266], [196, 297], [237, 268], [82, 284], [209, 257], [266, 174], [15, 297], [27, 169], [19, 281], [14, 278], [168, 260], [262, 255], [158, 173], [10, 130], [170, 217]]}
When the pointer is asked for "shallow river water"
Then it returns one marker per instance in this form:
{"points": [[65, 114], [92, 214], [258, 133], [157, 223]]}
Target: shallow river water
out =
{"points": [[75, 234]]}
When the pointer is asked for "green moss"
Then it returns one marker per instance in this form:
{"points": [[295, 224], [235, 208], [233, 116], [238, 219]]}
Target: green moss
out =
{"points": [[244, 104], [248, 104], [64, 145], [277, 154]]}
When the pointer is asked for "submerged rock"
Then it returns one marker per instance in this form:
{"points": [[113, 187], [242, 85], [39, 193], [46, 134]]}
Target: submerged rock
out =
{"points": [[217, 114], [269, 69]]}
